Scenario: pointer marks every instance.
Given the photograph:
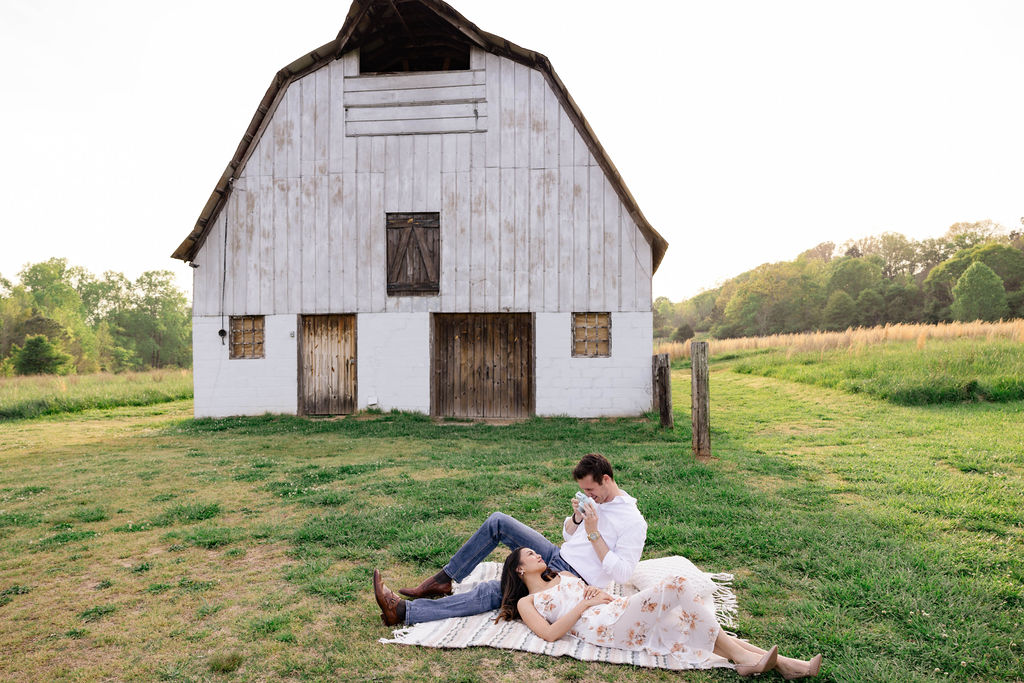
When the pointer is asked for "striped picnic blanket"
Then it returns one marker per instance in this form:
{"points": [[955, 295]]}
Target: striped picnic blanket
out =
{"points": [[479, 630]]}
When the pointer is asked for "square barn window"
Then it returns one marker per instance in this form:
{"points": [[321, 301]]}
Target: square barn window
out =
{"points": [[246, 337], [591, 335], [414, 253]]}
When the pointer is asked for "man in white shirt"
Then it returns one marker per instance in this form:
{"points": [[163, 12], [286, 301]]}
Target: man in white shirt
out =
{"points": [[603, 543]]}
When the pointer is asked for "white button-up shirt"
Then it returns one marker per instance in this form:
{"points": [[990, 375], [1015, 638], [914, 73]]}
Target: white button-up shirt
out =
{"points": [[623, 528]]}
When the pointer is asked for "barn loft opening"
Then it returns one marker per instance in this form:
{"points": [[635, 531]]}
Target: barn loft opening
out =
{"points": [[401, 36]]}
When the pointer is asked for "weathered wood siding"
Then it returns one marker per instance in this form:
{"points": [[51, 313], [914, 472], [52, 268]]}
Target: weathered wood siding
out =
{"points": [[327, 374], [482, 365], [529, 222]]}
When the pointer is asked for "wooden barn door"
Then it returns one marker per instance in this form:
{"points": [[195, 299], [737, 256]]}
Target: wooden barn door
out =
{"points": [[327, 365], [482, 365]]}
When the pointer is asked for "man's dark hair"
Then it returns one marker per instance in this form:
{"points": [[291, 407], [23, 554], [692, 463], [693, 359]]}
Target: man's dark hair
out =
{"points": [[594, 464]]}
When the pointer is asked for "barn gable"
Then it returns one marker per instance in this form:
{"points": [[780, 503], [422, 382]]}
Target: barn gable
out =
{"points": [[428, 26]]}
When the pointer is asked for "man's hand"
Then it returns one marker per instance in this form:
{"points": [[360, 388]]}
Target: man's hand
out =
{"points": [[589, 513]]}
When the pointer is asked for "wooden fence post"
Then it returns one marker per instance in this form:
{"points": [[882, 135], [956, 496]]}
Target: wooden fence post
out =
{"points": [[661, 380], [699, 399]]}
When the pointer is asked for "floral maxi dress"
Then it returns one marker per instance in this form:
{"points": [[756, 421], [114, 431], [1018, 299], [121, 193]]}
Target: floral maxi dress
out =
{"points": [[669, 618]]}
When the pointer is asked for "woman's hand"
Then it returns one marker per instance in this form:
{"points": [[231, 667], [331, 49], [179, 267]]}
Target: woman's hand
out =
{"points": [[595, 596]]}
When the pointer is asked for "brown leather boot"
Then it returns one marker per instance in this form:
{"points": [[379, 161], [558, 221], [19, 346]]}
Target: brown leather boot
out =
{"points": [[392, 607], [434, 587]]}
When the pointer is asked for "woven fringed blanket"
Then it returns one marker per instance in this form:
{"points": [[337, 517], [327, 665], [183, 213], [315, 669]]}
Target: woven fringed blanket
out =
{"points": [[480, 630]]}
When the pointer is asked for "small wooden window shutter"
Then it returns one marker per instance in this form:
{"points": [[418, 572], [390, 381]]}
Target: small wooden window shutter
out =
{"points": [[414, 253]]}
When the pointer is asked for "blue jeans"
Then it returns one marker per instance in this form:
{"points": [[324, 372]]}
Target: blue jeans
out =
{"points": [[486, 595]]}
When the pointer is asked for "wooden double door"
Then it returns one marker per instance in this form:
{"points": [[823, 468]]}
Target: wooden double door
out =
{"points": [[482, 365], [327, 365]]}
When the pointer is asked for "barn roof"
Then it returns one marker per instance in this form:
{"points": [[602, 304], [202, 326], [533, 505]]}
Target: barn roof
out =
{"points": [[362, 27]]}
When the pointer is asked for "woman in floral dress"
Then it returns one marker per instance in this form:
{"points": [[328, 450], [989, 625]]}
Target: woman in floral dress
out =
{"points": [[669, 618]]}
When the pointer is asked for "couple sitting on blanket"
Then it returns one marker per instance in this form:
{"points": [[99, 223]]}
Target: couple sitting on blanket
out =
{"points": [[557, 590]]}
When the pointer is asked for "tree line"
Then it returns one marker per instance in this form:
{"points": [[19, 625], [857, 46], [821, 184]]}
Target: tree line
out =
{"points": [[58, 318], [974, 271]]}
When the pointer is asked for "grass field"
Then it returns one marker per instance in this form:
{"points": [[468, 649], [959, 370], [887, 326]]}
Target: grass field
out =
{"points": [[22, 397], [136, 544], [941, 371]]}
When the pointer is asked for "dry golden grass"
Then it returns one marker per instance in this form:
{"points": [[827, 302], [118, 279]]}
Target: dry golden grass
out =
{"points": [[853, 338]]}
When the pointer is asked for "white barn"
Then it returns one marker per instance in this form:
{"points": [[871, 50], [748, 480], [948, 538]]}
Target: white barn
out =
{"points": [[419, 217]]}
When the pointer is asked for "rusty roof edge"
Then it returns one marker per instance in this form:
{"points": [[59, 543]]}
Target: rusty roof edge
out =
{"points": [[333, 50]]}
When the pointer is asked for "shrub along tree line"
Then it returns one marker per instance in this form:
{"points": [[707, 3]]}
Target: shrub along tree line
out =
{"points": [[62, 319], [975, 271]]}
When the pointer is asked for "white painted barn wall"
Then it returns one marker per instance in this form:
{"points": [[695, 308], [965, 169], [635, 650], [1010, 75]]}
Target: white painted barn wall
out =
{"points": [[393, 361], [593, 387], [529, 221], [250, 386]]}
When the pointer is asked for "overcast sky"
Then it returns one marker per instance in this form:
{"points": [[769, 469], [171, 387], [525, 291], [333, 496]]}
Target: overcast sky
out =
{"points": [[748, 131]]}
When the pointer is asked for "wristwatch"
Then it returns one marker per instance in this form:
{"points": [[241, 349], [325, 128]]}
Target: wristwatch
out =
{"points": [[593, 535]]}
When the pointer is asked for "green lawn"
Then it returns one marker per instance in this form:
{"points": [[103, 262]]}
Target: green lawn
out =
{"points": [[136, 544]]}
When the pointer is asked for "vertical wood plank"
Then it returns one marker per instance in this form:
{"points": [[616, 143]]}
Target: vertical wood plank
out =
{"points": [[538, 121], [321, 120], [552, 114], [294, 241], [506, 115], [267, 244], [350, 237], [551, 237], [449, 239], [376, 259], [292, 142], [336, 133], [491, 222], [364, 230], [308, 282], [253, 252], [322, 246], [536, 276], [406, 171], [595, 271], [307, 124], [522, 115], [464, 242], [391, 166], [419, 169], [477, 219], [280, 303], [610, 225], [566, 235], [378, 154], [627, 260], [581, 238], [522, 239], [506, 244], [433, 174], [494, 123]]}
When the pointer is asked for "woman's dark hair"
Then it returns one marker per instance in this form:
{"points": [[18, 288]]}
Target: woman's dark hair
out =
{"points": [[513, 588], [594, 464]]}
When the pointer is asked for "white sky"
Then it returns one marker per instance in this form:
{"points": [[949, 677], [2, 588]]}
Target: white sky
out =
{"points": [[747, 130]]}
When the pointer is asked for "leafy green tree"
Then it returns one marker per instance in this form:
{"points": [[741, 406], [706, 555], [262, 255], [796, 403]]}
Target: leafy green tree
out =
{"points": [[1004, 260], [39, 357], [682, 333], [904, 302], [854, 275], [870, 308], [979, 295], [840, 311]]}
